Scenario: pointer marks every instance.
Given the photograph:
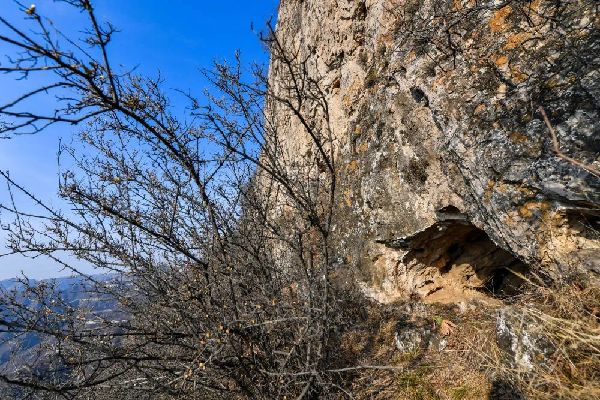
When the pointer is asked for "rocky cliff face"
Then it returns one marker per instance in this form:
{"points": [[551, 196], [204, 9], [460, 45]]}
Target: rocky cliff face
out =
{"points": [[446, 167]]}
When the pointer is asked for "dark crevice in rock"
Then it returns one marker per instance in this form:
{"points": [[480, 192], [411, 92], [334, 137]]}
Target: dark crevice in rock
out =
{"points": [[458, 257], [454, 251], [585, 221], [505, 390], [434, 290], [584, 224], [419, 96]]}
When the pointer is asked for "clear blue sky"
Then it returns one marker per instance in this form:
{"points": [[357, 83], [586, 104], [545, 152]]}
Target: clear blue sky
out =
{"points": [[174, 37]]}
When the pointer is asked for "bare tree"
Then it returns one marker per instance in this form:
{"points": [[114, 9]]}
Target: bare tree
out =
{"points": [[219, 243]]}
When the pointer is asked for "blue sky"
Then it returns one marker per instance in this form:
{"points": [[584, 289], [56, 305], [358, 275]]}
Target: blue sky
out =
{"points": [[174, 37]]}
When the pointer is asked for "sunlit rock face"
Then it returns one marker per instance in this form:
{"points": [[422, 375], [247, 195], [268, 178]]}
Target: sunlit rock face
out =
{"points": [[446, 167]]}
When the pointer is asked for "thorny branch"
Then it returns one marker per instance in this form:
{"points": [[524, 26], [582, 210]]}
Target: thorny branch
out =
{"points": [[218, 241]]}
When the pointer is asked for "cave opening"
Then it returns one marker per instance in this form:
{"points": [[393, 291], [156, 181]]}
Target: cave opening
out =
{"points": [[454, 260]]}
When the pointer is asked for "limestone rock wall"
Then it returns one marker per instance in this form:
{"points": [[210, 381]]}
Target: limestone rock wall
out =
{"points": [[443, 157]]}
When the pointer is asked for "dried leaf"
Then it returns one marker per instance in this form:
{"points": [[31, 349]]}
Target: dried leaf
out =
{"points": [[447, 327]]}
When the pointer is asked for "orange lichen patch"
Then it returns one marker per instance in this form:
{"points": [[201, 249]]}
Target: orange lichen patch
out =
{"points": [[387, 38], [348, 197], [352, 166], [584, 33], [363, 147], [517, 75], [352, 93], [501, 60], [558, 241], [518, 137], [457, 5], [479, 109], [552, 82], [501, 187], [525, 190], [532, 6], [487, 194], [438, 82], [515, 40], [532, 208], [493, 186], [509, 218], [498, 21]]}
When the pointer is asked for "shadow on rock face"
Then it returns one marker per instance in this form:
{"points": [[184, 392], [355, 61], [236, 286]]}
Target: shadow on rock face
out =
{"points": [[453, 259], [504, 390]]}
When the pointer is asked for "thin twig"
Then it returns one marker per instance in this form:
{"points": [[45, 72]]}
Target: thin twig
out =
{"points": [[559, 153]]}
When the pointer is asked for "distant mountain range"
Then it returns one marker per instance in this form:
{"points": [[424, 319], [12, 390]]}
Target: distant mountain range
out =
{"points": [[73, 291]]}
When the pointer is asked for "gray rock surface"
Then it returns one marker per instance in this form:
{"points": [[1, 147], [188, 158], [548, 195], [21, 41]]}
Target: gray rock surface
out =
{"points": [[517, 337], [434, 106]]}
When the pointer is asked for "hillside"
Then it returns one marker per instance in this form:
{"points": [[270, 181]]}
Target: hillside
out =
{"points": [[76, 293], [403, 203]]}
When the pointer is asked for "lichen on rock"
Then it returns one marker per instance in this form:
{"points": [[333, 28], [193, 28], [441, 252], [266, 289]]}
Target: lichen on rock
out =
{"points": [[433, 104]]}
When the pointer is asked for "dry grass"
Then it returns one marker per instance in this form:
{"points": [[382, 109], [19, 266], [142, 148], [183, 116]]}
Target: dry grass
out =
{"points": [[425, 374], [566, 318], [472, 366]]}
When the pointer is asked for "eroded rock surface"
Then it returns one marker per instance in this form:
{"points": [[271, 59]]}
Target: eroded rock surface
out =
{"points": [[447, 175]]}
